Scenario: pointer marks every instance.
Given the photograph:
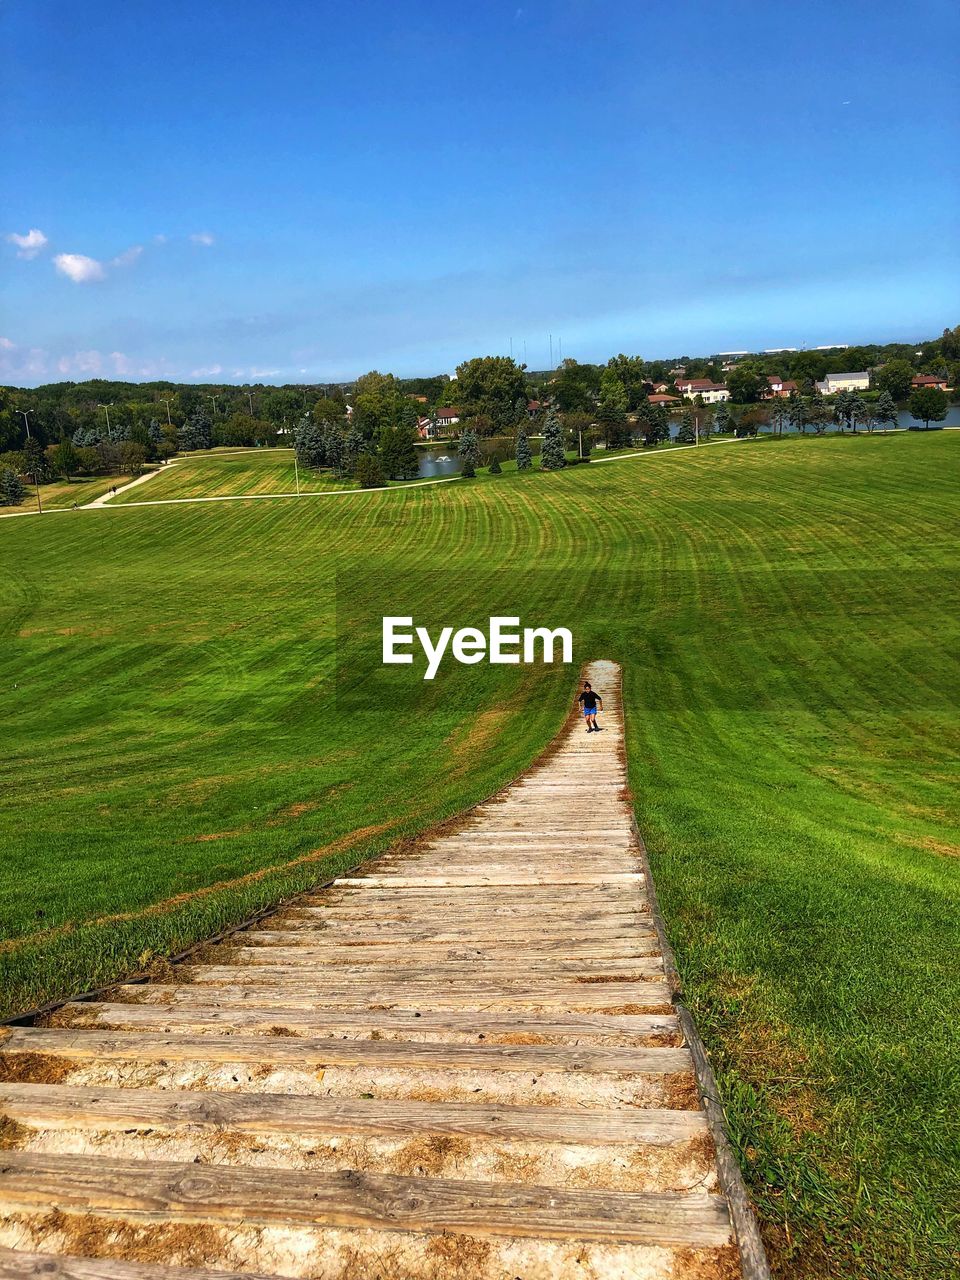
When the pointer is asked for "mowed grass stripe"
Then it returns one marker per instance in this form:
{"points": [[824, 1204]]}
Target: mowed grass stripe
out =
{"points": [[786, 614]]}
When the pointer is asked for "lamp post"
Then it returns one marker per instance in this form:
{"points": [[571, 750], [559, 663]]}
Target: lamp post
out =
{"points": [[106, 409], [214, 399], [25, 414], [250, 398], [167, 403]]}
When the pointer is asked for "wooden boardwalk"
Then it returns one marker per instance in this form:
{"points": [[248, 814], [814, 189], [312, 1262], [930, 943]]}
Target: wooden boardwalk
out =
{"points": [[463, 1064]]}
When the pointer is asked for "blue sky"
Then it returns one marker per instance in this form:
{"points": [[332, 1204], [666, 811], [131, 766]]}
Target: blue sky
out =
{"points": [[301, 190]]}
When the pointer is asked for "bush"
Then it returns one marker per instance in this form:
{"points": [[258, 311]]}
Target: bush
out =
{"points": [[11, 488], [495, 467]]}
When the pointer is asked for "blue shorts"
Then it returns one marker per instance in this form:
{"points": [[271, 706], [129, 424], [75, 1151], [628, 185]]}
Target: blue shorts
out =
{"points": [[589, 711]]}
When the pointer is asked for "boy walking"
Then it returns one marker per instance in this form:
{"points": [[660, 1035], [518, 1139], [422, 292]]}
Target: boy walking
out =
{"points": [[591, 703]]}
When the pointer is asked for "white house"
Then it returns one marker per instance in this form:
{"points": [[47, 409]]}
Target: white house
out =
{"points": [[834, 383], [446, 417], [708, 391]]}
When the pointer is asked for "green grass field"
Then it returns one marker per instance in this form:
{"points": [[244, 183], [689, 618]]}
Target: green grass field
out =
{"points": [[196, 724], [218, 474]]}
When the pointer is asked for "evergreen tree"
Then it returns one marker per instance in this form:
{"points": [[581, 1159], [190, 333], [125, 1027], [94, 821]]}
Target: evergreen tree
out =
{"points": [[797, 413], [495, 467], [859, 413], [523, 449], [612, 410], [309, 444], [722, 420], [885, 411], [399, 454], [11, 488], [467, 469], [843, 408], [657, 428], [196, 432], [154, 432], [520, 412], [553, 454], [333, 447], [687, 433], [369, 472], [469, 452], [35, 462], [353, 444]]}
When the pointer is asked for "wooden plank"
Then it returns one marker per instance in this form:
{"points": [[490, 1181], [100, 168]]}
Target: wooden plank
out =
{"points": [[577, 1027], [84, 1046], [154, 1191], [502, 968], [72, 1107], [572, 998], [471, 881], [305, 942], [400, 977], [15, 1265]]}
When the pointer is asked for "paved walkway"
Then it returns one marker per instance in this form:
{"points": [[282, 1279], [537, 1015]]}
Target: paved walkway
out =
{"points": [[462, 1062]]}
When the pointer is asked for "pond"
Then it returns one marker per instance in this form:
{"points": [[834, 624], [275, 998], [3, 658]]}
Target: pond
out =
{"points": [[441, 461]]}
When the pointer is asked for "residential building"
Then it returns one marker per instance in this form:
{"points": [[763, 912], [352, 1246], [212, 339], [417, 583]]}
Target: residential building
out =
{"points": [[834, 383], [533, 408], [447, 417], [662, 399], [710, 392], [929, 380], [777, 388]]}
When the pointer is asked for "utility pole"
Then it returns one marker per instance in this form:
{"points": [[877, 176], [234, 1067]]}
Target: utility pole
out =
{"points": [[250, 398], [511, 348], [167, 403], [106, 409], [25, 414], [296, 470], [551, 350], [214, 399]]}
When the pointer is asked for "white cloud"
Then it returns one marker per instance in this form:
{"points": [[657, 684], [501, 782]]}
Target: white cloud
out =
{"points": [[28, 246], [210, 371], [202, 237], [89, 362], [160, 238], [128, 257], [78, 267], [6, 344]]}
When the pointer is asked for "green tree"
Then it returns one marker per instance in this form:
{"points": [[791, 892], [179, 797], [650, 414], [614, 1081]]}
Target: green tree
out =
{"points": [[35, 463], [575, 386], [612, 410], [132, 457], [520, 411], [656, 428], [64, 458], [553, 454], [368, 472], [353, 443], [896, 378], [721, 422], [885, 410], [797, 413], [843, 408], [780, 413], [629, 372], [818, 414], [491, 385], [495, 467], [11, 488], [928, 404], [745, 384], [197, 431], [859, 413], [687, 433], [309, 445], [524, 460], [469, 452], [398, 453]]}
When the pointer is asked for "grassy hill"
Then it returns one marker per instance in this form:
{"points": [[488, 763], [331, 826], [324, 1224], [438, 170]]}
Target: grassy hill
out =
{"points": [[197, 722]]}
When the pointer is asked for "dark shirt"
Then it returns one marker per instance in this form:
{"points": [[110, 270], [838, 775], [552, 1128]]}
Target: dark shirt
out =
{"points": [[589, 700]]}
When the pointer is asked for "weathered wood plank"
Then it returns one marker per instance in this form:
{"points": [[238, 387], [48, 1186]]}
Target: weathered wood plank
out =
{"points": [[572, 998], [469, 881], [15, 1265], [83, 1045], [154, 1191], [575, 1027], [73, 1107]]}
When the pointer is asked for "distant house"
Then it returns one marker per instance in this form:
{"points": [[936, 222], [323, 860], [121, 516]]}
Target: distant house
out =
{"points": [[660, 387], [710, 392], [834, 383], [778, 389], [412, 395], [533, 408], [662, 399], [427, 429], [929, 380], [446, 417]]}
